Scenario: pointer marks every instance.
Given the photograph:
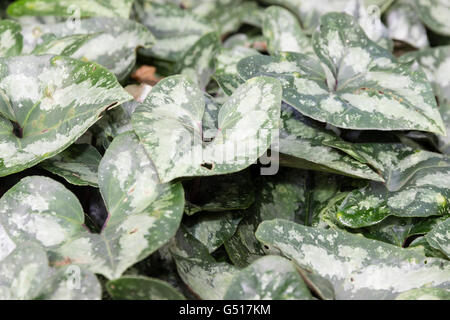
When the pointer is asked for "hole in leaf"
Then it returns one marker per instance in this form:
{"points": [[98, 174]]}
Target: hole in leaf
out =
{"points": [[208, 166]]}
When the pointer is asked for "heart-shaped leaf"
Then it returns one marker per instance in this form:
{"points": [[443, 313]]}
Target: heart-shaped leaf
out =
{"points": [[46, 103], [169, 124], [435, 14], [374, 93], [283, 32], [25, 274], [11, 40], [142, 288], [143, 214], [78, 164], [68, 8], [359, 268], [268, 278], [112, 42]]}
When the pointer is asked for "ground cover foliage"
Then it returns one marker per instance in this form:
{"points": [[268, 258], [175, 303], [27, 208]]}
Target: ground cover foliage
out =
{"points": [[225, 149]]}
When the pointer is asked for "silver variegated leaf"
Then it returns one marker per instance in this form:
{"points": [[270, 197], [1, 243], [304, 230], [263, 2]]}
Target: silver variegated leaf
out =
{"points": [[142, 288], [112, 42], [310, 11], [11, 40], [198, 61], [225, 15], [435, 14], [142, 214], [436, 64], [176, 30], [369, 19], [46, 103], [415, 187], [65, 46], [439, 237], [268, 278], [169, 124], [403, 23], [69, 8], [359, 268], [304, 144], [226, 61], [375, 92], [283, 32], [78, 164], [25, 274]]}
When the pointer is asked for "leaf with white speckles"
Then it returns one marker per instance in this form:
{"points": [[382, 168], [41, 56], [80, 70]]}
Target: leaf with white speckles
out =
{"points": [[283, 32], [304, 144], [310, 11], [25, 274], [404, 24], [64, 46], [176, 30], [46, 103], [169, 124], [415, 187], [436, 64], [11, 40], [142, 288], [111, 42], [143, 214], [198, 61], [67, 8], [268, 278], [435, 14], [359, 268], [226, 61], [78, 164], [355, 84], [225, 15], [439, 237]]}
